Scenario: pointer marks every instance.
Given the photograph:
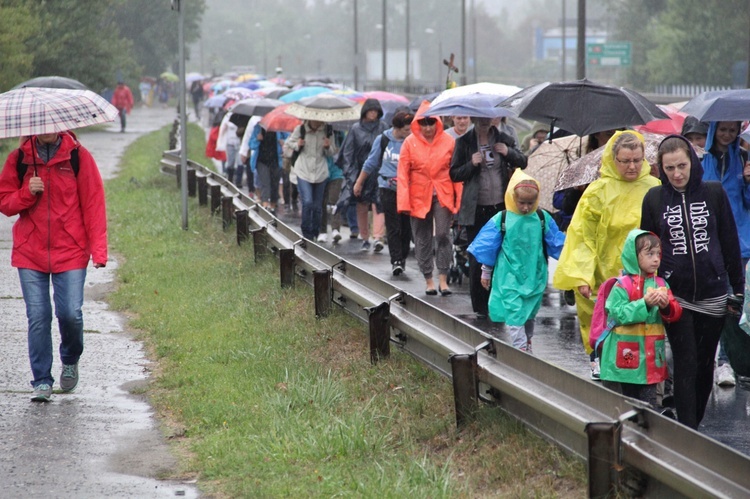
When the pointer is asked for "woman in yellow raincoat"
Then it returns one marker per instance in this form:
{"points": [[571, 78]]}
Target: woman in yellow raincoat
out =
{"points": [[609, 209]]}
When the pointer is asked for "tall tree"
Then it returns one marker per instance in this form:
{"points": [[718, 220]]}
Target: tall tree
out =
{"points": [[16, 26]]}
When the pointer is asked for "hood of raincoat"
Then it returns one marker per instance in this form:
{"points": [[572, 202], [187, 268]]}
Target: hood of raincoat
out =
{"points": [[696, 167], [609, 168], [519, 177], [369, 105], [711, 137], [630, 254], [694, 125], [415, 128]]}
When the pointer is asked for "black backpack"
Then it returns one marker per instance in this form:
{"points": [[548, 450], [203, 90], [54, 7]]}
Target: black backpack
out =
{"points": [[22, 167], [295, 154]]}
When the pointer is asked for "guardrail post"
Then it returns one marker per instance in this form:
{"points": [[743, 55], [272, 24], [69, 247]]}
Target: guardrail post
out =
{"points": [[465, 387], [202, 191], [259, 243], [322, 286], [378, 318], [243, 226], [286, 267], [191, 182], [215, 198], [604, 452], [227, 210]]}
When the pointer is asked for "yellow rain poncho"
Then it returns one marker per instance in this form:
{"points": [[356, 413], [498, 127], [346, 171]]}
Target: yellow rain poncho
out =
{"points": [[609, 209]]}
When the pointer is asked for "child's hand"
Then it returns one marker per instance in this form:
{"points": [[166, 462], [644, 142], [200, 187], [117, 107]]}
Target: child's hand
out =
{"points": [[652, 297]]}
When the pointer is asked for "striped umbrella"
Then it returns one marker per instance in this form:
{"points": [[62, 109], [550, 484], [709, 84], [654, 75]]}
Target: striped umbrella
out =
{"points": [[37, 111]]}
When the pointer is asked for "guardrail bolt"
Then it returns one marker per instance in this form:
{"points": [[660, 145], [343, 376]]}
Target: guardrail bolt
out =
{"points": [[227, 210], [322, 286], [378, 318], [286, 267], [243, 226], [191, 182], [202, 191], [465, 387]]}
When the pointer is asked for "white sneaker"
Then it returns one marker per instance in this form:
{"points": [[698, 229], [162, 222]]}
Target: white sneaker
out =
{"points": [[322, 238], [724, 376], [595, 370], [335, 236]]}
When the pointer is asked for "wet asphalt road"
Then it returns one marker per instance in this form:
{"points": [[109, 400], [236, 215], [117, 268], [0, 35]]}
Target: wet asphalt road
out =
{"points": [[556, 336], [99, 441]]}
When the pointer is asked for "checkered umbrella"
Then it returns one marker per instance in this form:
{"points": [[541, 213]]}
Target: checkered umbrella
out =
{"points": [[36, 111]]}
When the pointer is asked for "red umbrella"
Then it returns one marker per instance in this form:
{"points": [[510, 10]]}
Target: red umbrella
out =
{"points": [[278, 121], [670, 126]]}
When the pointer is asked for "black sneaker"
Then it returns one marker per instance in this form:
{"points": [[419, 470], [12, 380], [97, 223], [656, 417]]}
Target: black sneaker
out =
{"points": [[354, 234], [569, 297], [69, 377], [398, 268]]}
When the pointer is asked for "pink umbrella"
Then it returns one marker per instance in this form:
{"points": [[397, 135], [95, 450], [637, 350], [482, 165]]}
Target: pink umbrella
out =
{"points": [[382, 96]]}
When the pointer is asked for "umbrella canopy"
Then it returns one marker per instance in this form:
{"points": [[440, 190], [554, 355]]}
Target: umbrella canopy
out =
{"points": [[169, 76], [274, 92], [37, 111], [279, 121], [215, 101], [254, 106], [303, 92], [673, 125], [193, 76], [485, 88], [549, 159], [720, 105], [53, 82], [326, 108], [238, 93], [585, 170], [417, 101], [583, 107], [385, 96], [476, 105]]}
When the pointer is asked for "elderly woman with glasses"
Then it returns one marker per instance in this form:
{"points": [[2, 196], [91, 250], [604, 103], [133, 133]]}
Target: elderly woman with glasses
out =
{"points": [[426, 193], [609, 209]]}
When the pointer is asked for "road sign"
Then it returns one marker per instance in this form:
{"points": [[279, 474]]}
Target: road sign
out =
{"points": [[609, 54]]}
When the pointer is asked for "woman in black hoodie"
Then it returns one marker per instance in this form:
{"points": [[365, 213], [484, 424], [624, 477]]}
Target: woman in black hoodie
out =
{"points": [[700, 253]]}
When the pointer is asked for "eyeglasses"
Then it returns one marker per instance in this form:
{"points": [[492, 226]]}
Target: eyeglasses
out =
{"points": [[629, 161], [427, 121]]}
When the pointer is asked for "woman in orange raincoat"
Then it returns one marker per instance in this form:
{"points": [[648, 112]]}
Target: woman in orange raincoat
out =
{"points": [[426, 193]]}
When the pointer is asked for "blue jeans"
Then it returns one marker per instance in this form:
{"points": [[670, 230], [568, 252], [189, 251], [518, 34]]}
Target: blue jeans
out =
{"points": [[68, 296], [311, 196]]}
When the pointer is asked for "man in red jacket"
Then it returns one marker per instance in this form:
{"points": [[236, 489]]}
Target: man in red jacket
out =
{"points": [[122, 99], [57, 192]]}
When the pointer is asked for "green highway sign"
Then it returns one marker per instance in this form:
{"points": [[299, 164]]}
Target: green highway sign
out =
{"points": [[609, 54]]}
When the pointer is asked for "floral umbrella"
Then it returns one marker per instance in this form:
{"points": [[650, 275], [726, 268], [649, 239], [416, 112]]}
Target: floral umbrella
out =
{"points": [[549, 159]]}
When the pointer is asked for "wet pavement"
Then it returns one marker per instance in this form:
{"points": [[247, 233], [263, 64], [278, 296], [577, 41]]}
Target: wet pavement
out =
{"points": [[556, 336], [99, 441]]}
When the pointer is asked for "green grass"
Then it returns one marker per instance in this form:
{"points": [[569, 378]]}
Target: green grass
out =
{"points": [[263, 399]]}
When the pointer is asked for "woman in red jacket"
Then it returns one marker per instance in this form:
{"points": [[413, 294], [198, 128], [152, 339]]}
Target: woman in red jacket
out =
{"points": [[426, 193], [122, 99], [62, 224]]}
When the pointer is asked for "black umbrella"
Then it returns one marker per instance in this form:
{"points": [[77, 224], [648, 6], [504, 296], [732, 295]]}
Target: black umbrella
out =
{"points": [[417, 101], [583, 107], [53, 82], [720, 105], [275, 94], [255, 107]]}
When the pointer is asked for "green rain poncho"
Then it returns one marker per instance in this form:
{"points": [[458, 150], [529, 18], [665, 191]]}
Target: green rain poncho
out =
{"points": [[520, 269], [609, 209]]}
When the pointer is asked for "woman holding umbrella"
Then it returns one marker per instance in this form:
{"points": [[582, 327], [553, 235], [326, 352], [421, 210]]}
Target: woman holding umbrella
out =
{"points": [[609, 209], [427, 193], [311, 168], [484, 160], [700, 251]]}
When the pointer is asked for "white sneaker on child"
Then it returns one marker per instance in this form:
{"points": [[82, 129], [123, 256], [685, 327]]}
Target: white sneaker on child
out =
{"points": [[335, 236], [724, 376], [595, 370], [323, 238]]}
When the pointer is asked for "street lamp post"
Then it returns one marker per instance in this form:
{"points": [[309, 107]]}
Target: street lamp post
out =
{"points": [[177, 5], [385, 45]]}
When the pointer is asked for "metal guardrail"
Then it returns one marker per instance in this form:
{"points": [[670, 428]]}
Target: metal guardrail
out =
{"points": [[628, 447]]}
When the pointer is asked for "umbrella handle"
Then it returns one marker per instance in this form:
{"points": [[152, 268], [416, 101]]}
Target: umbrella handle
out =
{"points": [[552, 129]]}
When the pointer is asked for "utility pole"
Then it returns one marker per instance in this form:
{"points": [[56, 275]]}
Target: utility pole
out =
{"points": [[564, 40], [385, 47], [474, 40], [408, 46], [356, 50], [581, 46], [463, 42], [177, 5]]}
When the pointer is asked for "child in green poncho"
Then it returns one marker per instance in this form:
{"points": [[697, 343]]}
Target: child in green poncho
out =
{"points": [[513, 258]]}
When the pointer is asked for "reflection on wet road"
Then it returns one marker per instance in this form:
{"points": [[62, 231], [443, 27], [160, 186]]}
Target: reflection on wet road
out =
{"points": [[556, 337]]}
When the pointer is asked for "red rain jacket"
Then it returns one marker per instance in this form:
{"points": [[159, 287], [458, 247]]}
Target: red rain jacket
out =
{"points": [[66, 225]]}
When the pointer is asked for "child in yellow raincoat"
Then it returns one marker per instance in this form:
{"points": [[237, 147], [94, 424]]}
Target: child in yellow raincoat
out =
{"points": [[609, 209], [516, 243]]}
